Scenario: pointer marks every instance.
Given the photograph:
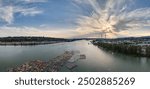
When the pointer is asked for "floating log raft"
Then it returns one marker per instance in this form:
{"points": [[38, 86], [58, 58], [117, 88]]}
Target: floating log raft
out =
{"points": [[42, 66], [71, 66], [77, 57], [82, 56]]}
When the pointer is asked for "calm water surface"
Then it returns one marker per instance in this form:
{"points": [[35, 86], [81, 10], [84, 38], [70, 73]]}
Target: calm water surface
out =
{"points": [[97, 59]]}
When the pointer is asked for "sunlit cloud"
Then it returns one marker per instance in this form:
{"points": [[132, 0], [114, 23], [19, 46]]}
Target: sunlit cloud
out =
{"points": [[112, 18]]}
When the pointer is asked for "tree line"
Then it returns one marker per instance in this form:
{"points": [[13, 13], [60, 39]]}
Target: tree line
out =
{"points": [[29, 39]]}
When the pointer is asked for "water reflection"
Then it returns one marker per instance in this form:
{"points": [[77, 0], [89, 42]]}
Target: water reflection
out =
{"points": [[97, 59]]}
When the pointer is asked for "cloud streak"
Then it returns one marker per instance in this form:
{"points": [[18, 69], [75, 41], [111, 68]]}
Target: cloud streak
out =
{"points": [[33, 1]]}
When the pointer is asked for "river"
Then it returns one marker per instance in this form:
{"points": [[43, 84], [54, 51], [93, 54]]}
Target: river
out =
{"points": [[97, 59]]}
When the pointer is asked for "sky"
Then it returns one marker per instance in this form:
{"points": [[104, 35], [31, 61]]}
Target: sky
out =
{"points": [[75, 18]]}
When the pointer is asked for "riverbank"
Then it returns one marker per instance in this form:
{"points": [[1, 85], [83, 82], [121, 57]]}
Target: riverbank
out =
{"points": [[53, 65], [125, 48]]}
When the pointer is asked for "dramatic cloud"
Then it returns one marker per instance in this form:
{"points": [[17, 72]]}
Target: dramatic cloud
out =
{"points": [[9, 8], [75, 18], [112, 17]]}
